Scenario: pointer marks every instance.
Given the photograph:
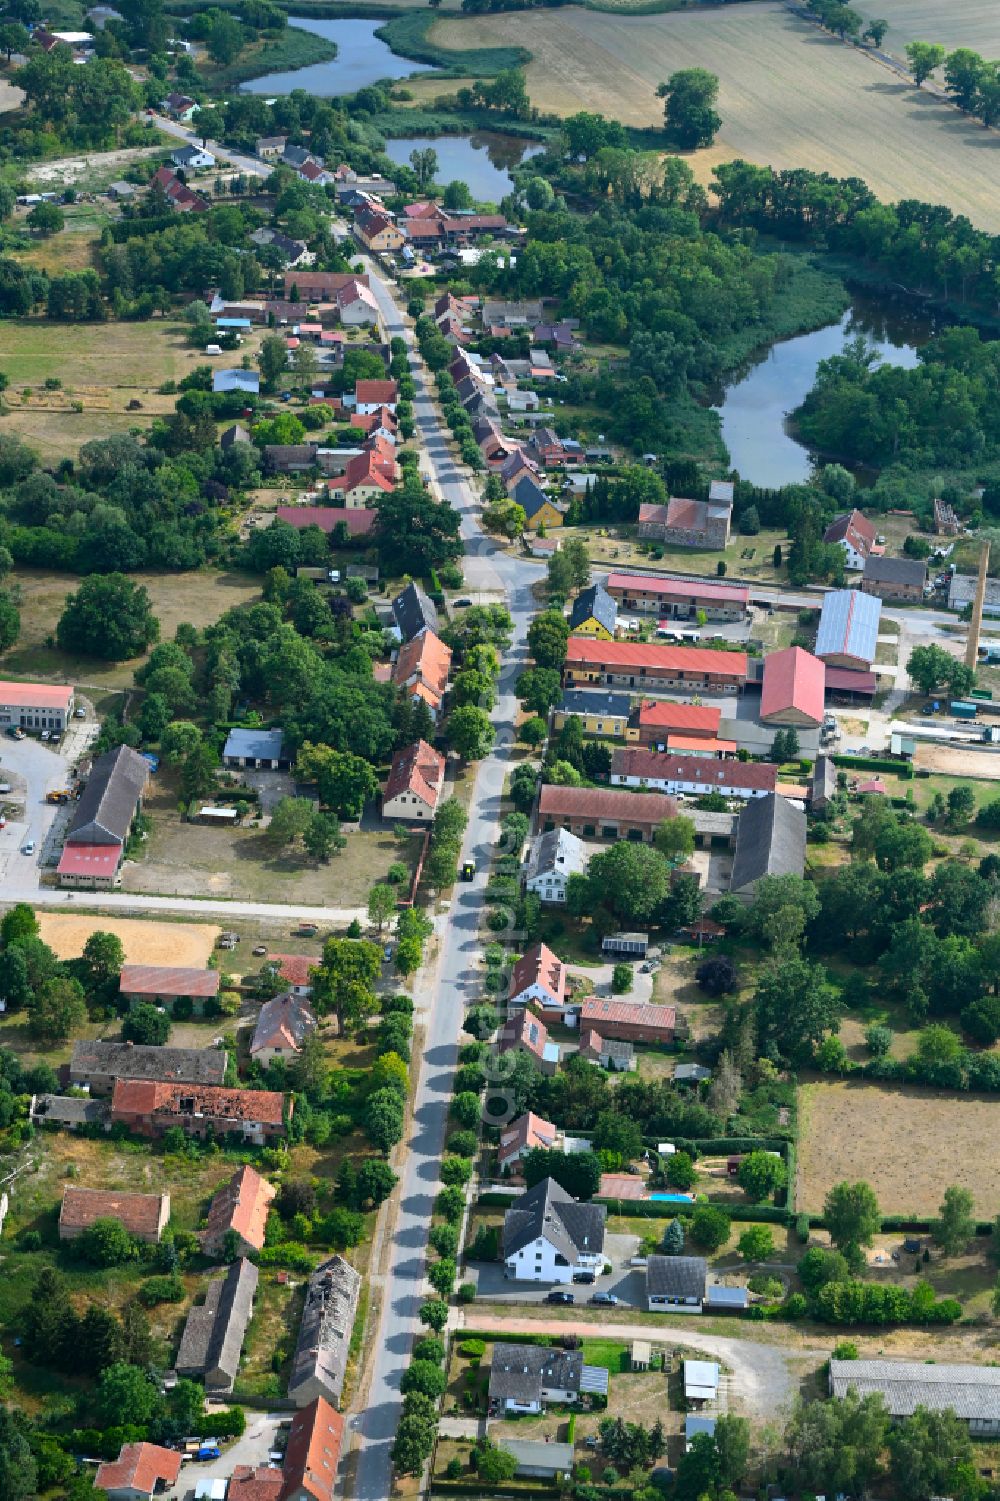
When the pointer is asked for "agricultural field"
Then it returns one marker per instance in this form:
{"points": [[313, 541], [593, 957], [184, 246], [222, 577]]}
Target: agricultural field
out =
{"points": [[960, 23], [199, 597], [790, 95], [880, 1133]]}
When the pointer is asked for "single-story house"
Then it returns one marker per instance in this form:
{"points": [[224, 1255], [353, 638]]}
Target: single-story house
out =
{"points": [[165, 985], [793, 688], [629, 945], [237, 380], [143, 1215], [259, 750], [675, 1284], [523, 1135], [603, 812], [972, 1392], [611, 1053], [701, 1380], [539, 1460], [140, 1472], [646, 668], [524, 1378], [192, 159]]}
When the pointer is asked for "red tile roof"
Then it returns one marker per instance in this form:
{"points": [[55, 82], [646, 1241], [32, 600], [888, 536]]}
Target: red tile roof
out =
{"points": [[139, 1467], [417, 769], [160, 979], [633, 583], [427, 659], [99, 860], [687, 514], [295, 969], [663, 766], [144, 1097], [382, 391], [357, 519], [524, 1030], [693, 745], [261, 1484], [793, 679], [600, 1013], [598, 803], [368, 468], [527, 1132], [313, 1453], [36, 695], [240, 1205], [141, 1214], [540, 966], [853, 528], [633, 655], [693, 719]]}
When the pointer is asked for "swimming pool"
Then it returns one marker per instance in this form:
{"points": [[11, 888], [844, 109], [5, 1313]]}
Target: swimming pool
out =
{"points": [[673, 1198]]}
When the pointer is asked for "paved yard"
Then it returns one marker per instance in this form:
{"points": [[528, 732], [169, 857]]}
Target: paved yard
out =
{"points": [[626, 1283]]}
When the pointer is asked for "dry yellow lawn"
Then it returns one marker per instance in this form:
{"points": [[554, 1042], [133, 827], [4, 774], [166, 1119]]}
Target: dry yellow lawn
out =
{"points": [[790, 95], [958, 23], [910, 1144], [144, 942]]}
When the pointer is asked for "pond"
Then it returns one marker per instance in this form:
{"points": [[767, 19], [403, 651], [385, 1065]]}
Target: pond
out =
{"points": [[755, 408], [362, 58], [483, 160]]}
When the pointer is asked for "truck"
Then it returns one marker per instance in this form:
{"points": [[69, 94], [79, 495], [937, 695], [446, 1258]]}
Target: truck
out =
{"points": [[962, 709], [468, 870], [984, 694], [60, 795]]}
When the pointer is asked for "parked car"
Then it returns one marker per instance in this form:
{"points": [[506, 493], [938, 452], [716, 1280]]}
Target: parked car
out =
{"points": [[387, 953], [260, 949], [79, 713], [605, 1300], [28, 847], [559, 1297], [585, 1277]]}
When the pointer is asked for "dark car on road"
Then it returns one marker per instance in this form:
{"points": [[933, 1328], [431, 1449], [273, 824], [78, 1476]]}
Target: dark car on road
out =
{"points": [[559, 1297], [605, 1300]]}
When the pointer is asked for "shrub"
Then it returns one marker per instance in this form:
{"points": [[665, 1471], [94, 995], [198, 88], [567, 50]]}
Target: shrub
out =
{"points": [[466, 1292], [802, 1229], [472, 1349], [462, 1143], [795, 1306], [161, 1290], [429, 1348], [621, 979], [710, 1227]]}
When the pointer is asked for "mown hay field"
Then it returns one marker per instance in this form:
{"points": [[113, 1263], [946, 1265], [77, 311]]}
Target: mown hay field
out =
{"points": [[790, 95], [910, 1144], [959, 23]]}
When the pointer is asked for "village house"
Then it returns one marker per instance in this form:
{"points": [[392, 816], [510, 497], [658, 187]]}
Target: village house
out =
{"points": [[319, 286], [555, 857], [270, 147], [539, 509], [525, 1378], [255, 1483], [421, 670], [357, 519], [247, 381], [180, 197], [320, 1361], [371, 395], [659, 723], [413, 612], [282, 1027], [376, 231], [96, 1065], [594, 613], [627, 1021], [525, 1033], [611, 1053], [693, 776], [770, 841], [239, 1207], [548, 1235], [793, 689], [192, 159], [140, 1472], [540, 977], [848, 629], [312, 1457], [102, 822], [635, 664], [678, 599], [855, 535], [357, 306], [179, 107], [214, 1331], [143, 1215], [296, 971], [895, 578], [149, 1109], [415, 783], [603, 813], [370, 475], [525, 1134], [256, 749], [605, 714], [675, 1284], [823, 786], [690, 523], [36, 706], [165, 985]]}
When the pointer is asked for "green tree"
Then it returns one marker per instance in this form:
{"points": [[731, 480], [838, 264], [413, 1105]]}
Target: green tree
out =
{"points": [[108, 617], [18, 1474], [381, 905], [539, 688], [732, 1444], [345, 782], [674, 837], [19, 922], [494, 1466], [756, 1243], [125, 1395], [852, 1216], [875, 32], [961, 805], [470, 732], [956, 1222], [345, 981], [548, 634], [56, 1010], [383, 1119], [578, 1172], [928, 666], [289, 821], [689, 113], [795, 1006], [924, 58], [106, 1243], [147, 1025], [10, 621], [673, 1239], [631, 879], [273, 360], [963, 70], [710, 1227], [927, 1452], [13, 38], [104, 956], [47, 218], [322, 836], [760, 1174]]}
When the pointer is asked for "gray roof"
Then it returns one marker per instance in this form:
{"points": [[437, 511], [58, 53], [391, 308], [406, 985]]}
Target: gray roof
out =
{"points": [[325, 1331], [535, 1454], [529, 495], [68, 1110], [719, 1296], [284, 1019], [518, 1372], [235, 434], [579, 701], [848, 625], [824, 778], [189, 154], [896, 571], [770, 841], [261, 745], [597, 602], [615, 1047], [297, 156], [972, 1391], [721, 492], [547, 1209], [691, 1072], [676, 1276], [129, 1060], [105, 811], [213, 1335], [557, 852], [694, 1424], [413, 612]]}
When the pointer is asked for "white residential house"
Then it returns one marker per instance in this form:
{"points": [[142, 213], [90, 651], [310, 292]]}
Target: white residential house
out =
{"points": [[539, 976], [193, 159], [548, 1235], [556, 856]]}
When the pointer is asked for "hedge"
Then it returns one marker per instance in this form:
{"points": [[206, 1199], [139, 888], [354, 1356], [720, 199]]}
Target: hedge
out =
{"points": [[486, 1490], [494, 1200], [712, 1146], [903, 769], [658, 1209]]}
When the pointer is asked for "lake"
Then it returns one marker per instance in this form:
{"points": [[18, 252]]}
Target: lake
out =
{"points": [[755, 408], [483, 160], [361, 59]]}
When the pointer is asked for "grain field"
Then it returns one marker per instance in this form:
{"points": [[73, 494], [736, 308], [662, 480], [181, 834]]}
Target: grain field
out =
{"points": [[790, 95], [959, 23]]}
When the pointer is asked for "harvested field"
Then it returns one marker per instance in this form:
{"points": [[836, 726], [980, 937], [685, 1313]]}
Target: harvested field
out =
{"points": [[144, 942], [880, 1133], [960, 23], [136, 356], [790, 95]]}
